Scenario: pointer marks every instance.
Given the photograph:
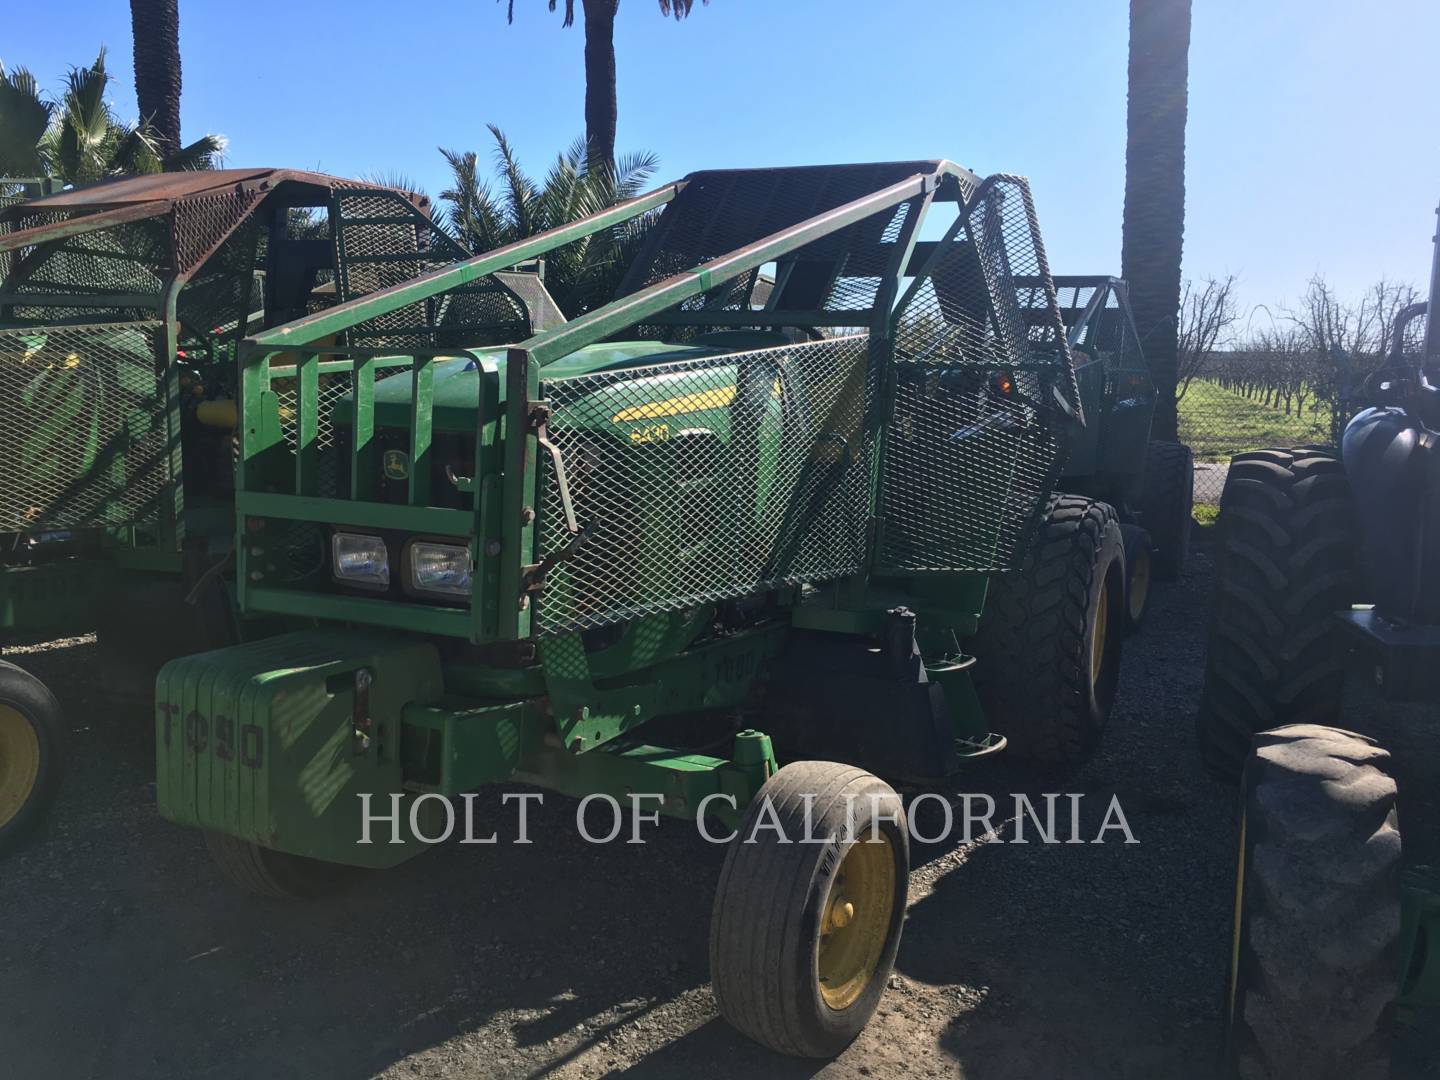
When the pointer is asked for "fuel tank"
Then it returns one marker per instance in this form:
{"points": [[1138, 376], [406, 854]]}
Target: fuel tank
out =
{"points": [[1393, 464]]}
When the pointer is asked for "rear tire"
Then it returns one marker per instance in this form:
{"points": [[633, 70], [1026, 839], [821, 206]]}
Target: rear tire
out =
{"points": [[275, 874], [803, 935], [1315, 966], [1285, 563], [1048, 648], [1166, 504], [32, 752]]}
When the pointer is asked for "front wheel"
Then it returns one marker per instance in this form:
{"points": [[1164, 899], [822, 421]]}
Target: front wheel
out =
{"points": [[803, 935], [1315, 963], [276, 874], [32, 744]]}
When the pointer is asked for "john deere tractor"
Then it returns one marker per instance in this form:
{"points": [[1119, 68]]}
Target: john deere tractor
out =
{"points": [[121, 304], [1327, 560], [725, 540]]}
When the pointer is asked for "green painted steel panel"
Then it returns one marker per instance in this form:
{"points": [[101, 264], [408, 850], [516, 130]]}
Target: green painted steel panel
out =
{"points": [[258, 741]]}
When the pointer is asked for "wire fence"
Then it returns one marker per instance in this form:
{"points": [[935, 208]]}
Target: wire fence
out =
{"points": [[1240, 401]]}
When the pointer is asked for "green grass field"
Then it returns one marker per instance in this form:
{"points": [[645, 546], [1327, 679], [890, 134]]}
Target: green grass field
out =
{"points": [[1216, 423]]}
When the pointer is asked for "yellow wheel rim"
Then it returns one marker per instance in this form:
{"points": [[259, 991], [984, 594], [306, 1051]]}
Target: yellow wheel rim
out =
{"points": [[1139, 583], [1102, 627], [19, 762], [856, 921]]}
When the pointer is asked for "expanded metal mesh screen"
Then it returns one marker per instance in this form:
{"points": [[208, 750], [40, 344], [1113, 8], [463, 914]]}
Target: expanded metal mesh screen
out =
{"points": [[82, 427], [981, 365], [965, 470], [381, 240], [122, 267], [8, 198], [705, 479]]}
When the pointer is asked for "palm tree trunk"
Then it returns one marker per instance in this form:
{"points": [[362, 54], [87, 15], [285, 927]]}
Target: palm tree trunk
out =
{"points": [[155, 25], [600, 105], [1154, 223]]}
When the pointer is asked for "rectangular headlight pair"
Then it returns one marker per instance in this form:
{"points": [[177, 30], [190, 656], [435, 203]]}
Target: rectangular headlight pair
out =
{"points": [[430, 567]]}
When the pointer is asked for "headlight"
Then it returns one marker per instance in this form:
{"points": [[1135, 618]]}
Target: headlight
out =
{"points": [[361, 560], [440, 568]]}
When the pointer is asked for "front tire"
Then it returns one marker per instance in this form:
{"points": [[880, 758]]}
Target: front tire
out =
{"points": [[1048, 648], [1316, 959], [32, 750], [1285, 564], [803, 935], [275, 874]]}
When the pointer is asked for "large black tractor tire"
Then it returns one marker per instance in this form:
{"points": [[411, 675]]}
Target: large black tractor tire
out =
{"points": [[1315, 966], [275, 874], [1285, 563], [803, 936], [1048, 647], [1139, 574], [1166, 503], [32, 752]]}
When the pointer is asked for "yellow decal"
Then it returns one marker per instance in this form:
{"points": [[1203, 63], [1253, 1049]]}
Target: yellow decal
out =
{"points": [[718, 398]]}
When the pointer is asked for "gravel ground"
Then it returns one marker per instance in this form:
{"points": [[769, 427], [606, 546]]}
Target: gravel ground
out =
{"points": [[125, 954]]}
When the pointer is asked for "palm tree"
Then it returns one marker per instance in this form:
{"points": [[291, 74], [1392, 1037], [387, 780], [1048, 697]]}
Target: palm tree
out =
{"points": [[580, 275], [155, 27], [77, 138], [601, 109], [1154, 222]]}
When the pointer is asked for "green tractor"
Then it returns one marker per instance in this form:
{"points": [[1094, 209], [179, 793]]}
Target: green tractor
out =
{"points": [[746, 515], [1327, 560], [121, 304]]}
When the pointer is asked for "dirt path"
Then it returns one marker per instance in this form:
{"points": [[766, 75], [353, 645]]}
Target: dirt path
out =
{"points": [[124, 954]]}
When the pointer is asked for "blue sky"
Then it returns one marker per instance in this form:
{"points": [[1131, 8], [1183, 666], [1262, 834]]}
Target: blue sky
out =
{"points": [[1309, 144]]}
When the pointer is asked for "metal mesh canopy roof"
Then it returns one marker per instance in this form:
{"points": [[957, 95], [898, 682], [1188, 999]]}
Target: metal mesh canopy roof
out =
{"points": [[167, 187]]}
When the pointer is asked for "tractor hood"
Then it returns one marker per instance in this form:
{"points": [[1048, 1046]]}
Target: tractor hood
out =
{"points": [[456, 382]]}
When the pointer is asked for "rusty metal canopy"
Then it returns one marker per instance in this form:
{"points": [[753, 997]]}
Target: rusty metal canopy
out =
{"points": [[167, 187]]}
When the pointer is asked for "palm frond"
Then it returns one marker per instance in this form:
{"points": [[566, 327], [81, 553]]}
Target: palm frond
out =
{"points": [[85, 121], [393, 178], [520, 191], [24, 119], [131, 151], [472, 216], [207, 152], [678, 8]]}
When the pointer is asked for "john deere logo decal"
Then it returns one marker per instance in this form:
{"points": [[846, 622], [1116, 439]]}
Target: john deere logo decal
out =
{"points": [[396, 464]]}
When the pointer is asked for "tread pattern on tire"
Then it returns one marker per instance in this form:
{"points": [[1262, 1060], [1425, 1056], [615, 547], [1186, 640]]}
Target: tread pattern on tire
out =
{"points": [[1032, 666], [1285, 563], [759, 904], [1166, 504], [1320, 940]]}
